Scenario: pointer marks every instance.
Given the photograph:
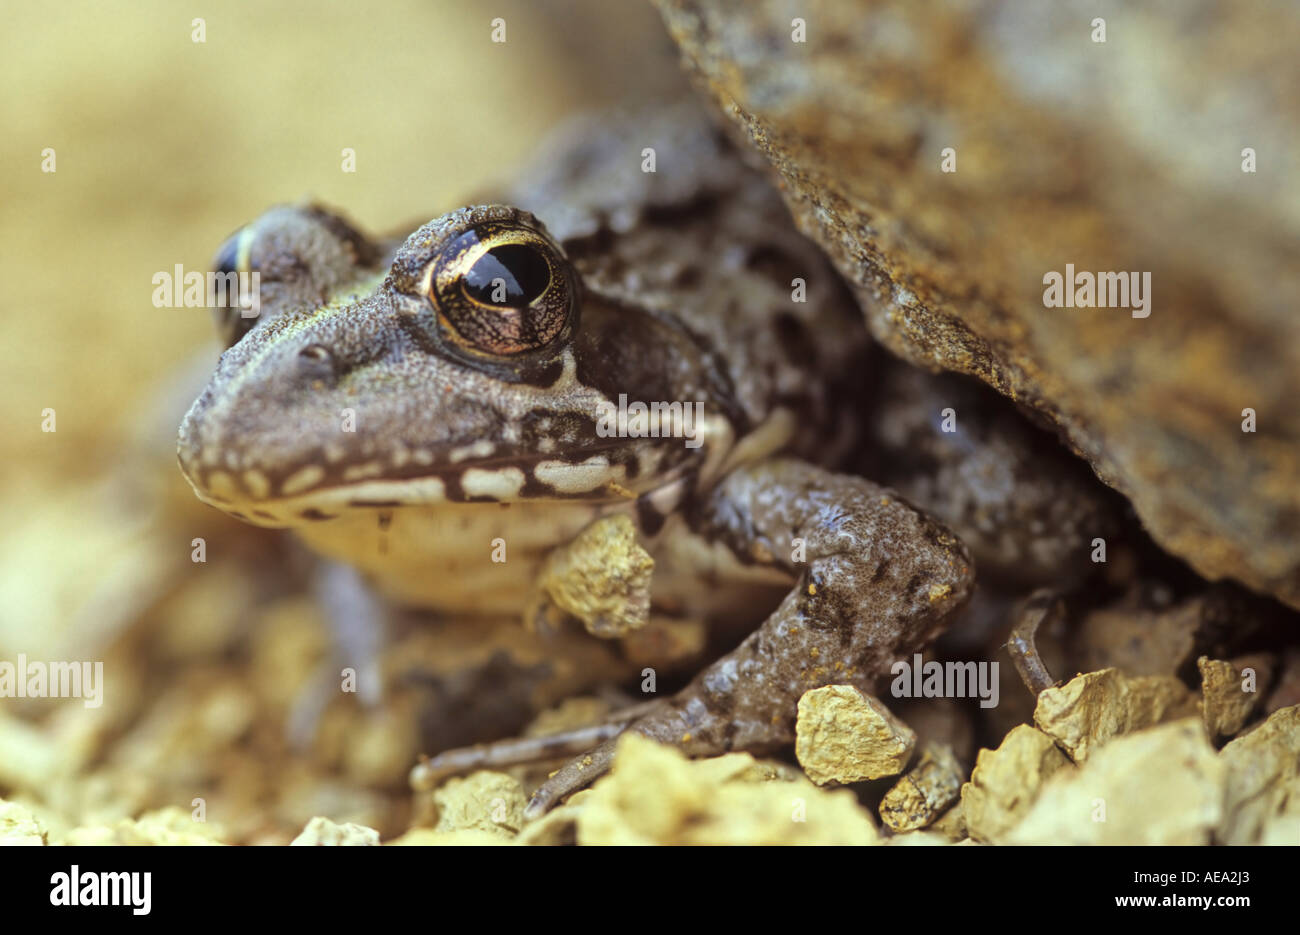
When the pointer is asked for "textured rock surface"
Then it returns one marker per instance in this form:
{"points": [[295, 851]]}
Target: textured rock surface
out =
{"points": [[602, 577], [492, 803], [654, 795], [923, 794], [19, 826], [843, 735], [1231, 690], [169, 827], [321, 832], [1090, 709], [1109, 156], [1263, 780], [1007, 780], [1159, 786]]}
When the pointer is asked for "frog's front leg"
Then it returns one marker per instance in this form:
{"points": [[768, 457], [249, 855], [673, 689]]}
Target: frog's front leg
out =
{"points": [[877, 579]]}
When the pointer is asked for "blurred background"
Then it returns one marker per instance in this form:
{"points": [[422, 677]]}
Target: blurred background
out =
{"points": [[163, 146]]}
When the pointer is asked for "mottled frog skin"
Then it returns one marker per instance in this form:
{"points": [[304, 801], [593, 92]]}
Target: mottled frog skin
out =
{"points": [[403, 405]]}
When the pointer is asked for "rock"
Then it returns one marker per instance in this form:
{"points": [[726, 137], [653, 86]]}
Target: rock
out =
{"points": [[1230, 691], [167, 827], [321, 832], [602, 578], [1283, 828], [918, 839], [1089, 710], [952, 824], [1006, 781], [29, 757], [484, 801], [571, 713], [843, 735], [667, 642], [1137, 640], [427, 837], [924, 793], [1066, 151], [1286, 691], [655, 795], [19, 826], [1161, 786], [1263, 779]]}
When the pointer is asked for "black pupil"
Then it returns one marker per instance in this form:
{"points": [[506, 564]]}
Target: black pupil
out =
{"points": [[512, 275]]}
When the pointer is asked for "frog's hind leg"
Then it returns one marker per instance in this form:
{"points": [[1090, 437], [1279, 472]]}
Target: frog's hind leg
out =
{"points": [[524, 751], [878, 579]]}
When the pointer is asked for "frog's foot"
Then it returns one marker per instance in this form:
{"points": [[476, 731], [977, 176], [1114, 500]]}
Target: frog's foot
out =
{"points": [[518, 751], [662, 724], [523, 751], [877, 579]]}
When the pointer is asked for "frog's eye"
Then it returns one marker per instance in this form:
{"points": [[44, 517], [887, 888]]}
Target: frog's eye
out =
{"points": [[502, 290], [230, 261]]}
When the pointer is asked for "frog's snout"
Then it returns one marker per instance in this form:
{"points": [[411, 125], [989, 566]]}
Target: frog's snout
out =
{"points": [[200, 464]]}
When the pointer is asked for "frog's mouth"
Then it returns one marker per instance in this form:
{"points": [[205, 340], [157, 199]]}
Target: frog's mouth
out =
{"points": [[474, 473]]}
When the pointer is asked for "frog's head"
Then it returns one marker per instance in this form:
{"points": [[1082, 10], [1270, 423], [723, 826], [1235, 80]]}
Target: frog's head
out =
{"points": [[469, 363]]}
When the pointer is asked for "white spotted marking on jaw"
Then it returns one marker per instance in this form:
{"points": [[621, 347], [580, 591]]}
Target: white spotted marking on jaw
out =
{"points": [[418, 491], [362, 471], [222, 485], [288, 511], [302, 479], [257, 484], [479, 449], [502, 484], [584, 477]]}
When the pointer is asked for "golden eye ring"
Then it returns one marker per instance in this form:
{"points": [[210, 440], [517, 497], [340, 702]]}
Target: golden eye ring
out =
{"points": [[503, 289]]}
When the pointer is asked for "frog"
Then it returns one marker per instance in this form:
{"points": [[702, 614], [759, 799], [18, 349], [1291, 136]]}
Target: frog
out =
{"points": [[632, 336]]}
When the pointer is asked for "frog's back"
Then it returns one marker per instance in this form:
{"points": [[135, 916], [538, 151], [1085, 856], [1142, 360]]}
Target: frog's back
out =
{"points": [[658, 209]]}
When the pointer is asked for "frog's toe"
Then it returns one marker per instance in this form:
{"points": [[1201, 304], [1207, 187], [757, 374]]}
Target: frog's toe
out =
{"points": [[684, 721], [501, 754], [579, 772]]}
